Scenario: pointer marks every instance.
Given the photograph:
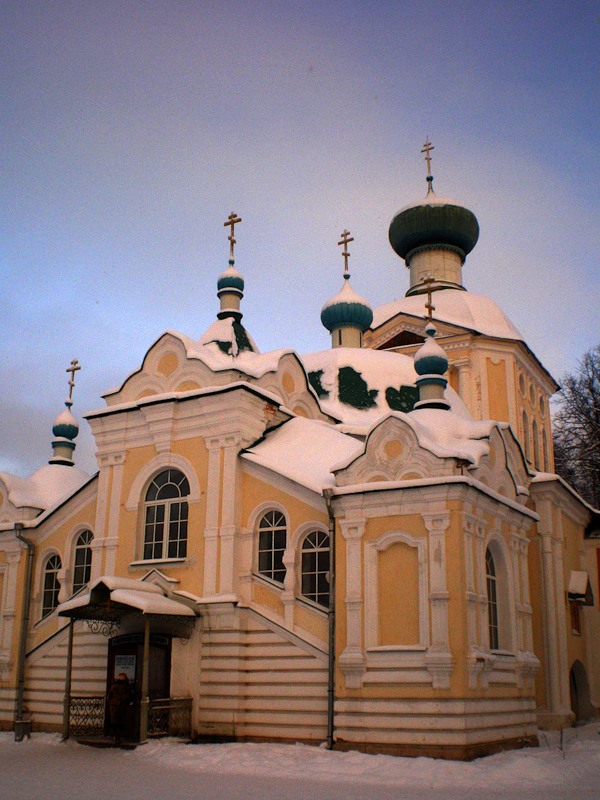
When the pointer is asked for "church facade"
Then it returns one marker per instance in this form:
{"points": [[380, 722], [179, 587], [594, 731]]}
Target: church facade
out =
{"points": [[365, 546]]}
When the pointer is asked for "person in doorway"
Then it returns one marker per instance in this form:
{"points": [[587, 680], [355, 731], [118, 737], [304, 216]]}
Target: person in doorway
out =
{"points": [[118, 699]]}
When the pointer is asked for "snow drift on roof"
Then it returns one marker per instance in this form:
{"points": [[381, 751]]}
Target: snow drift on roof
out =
{"points": [[305, 451], [448, 435], [455, 306], [379, 369], [45, 487]]}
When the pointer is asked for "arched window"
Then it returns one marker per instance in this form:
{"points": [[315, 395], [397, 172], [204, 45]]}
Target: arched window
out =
{"points": [[166, 517], [536, 444], [82, 563], [526, 434], [51, 586], [492, 600], [272, 541], [315, 567], [545, 452]]}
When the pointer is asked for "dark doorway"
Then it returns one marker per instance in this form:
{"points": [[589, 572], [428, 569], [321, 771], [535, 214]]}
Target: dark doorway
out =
{"points": [[580, 692], [125, 654]]}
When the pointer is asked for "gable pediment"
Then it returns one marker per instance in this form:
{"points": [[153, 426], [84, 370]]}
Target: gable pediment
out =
{"points": [[393, 453]]}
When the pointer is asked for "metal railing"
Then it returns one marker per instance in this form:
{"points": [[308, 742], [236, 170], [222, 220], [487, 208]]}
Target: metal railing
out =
{"points": [[170, 716], [167, 716], [87, 716]]}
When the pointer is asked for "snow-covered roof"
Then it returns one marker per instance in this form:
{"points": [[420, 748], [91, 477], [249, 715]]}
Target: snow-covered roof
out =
{"points": [[44, 488], [449, 435], [457, 307], [249, 362], [305, 451], [145, 597], [379, 369]]}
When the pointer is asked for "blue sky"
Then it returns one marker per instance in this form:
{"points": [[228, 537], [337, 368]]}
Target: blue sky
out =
{"points": [[130, 130]]}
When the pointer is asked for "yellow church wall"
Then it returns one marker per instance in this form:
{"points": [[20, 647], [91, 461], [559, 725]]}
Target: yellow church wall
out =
{"points": [[131, 522], [312, 621], [497, 389], [254, 493], [572, 544], [60, 540], [266, 596], [398, 568]]}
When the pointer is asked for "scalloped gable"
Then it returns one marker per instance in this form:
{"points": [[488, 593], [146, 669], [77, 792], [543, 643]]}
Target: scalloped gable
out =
{"points": [[504, 468], [176, 363], [392, 452], [428, 443]]}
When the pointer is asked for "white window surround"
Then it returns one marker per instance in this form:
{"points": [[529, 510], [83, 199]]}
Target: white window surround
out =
{"points": [[163, 461], [149, 561], [504, 590], [372, 550]]}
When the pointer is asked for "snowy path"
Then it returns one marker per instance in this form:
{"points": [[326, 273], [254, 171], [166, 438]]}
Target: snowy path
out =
{"points": [[46, 768]]}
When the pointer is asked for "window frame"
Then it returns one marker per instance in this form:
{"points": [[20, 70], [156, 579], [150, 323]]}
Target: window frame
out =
{"points": [[86, 549], [322, 553], [161, 513], [491, 583], [50, 584], [269, 557]]}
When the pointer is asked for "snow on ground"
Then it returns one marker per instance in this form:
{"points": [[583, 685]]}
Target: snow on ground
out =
{"points": [[45, 767]]}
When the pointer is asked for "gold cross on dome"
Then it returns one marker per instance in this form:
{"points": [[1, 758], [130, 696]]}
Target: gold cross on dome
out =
{"points": [[427, 148], [346, 238], [232, 221], [72, 369], [429, 305]]}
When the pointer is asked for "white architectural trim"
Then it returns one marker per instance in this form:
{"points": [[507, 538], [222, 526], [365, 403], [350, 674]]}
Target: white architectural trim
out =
{"points": [[160, 462]]}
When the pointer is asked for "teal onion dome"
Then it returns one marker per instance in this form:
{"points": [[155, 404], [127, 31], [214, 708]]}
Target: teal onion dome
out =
{"points": [[346, 309], [434, 222], [231, 280], [430, 359], [65, 425]]}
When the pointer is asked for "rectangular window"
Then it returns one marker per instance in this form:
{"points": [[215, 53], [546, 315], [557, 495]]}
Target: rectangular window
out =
{"points": [[154, 531], [575, 618]]}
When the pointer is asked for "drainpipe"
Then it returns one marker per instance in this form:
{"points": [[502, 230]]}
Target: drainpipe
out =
{"points": [[331, 621], [20, 729]]}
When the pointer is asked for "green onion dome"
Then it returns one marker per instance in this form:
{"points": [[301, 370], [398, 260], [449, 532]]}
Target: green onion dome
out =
{"points": [[430, 359], [434, 222], [231, 280], [347, 309], [65, 425]]}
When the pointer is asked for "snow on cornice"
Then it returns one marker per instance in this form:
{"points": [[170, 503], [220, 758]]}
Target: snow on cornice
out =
{"points": [[417, 483], [189, 394]]}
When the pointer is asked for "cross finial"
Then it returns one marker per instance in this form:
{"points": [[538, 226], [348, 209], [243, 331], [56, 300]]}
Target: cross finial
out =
{"points": [[346, 238], [72, 369], [427, 148], [429, 305], [232, 221]]}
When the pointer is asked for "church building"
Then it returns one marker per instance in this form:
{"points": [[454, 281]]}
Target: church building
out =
{"points": [[364, 546]]}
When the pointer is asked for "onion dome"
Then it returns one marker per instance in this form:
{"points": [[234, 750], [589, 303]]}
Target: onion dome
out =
{"points": [[435, 222], [231, 280], [430, 359], [347, 309], [65, 429], [431, 364], [65, 425]]}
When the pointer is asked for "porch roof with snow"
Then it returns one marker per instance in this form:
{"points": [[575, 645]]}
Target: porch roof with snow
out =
{"points": [[110, 598]]}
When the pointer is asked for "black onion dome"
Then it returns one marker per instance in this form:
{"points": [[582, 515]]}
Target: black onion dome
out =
{"points": [[434, 221]]}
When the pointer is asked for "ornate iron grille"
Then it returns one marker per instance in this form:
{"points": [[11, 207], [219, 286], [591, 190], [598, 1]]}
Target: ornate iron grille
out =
{"points": [[170, 716], [87, 716]]}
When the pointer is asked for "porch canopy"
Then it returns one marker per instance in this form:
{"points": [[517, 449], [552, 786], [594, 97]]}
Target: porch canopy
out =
{"points": [[108, 601]]}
